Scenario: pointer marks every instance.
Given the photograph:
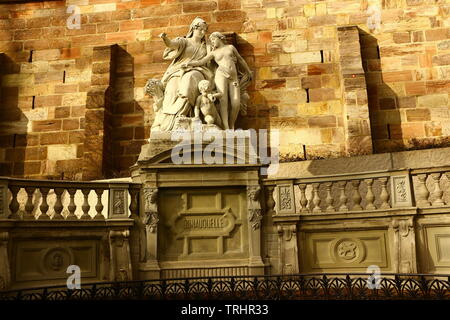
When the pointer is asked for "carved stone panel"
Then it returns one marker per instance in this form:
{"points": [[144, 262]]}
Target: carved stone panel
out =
{"points": [[285, 199], [203, 224], [36, 260], [436, 248], [401, 191], [118, 202], [332, 251]]}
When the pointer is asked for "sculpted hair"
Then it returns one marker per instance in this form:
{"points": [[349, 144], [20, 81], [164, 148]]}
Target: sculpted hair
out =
{"points": [[217, 35], [203, 85]]}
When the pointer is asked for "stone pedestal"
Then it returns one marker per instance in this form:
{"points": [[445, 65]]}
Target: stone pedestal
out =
{"points": [[202, 216]]}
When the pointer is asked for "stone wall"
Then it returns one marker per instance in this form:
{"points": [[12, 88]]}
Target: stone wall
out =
{"points": [[49, 73]]}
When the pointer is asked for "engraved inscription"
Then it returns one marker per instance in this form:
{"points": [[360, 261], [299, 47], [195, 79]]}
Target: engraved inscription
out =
{"points": [[203, 223]]}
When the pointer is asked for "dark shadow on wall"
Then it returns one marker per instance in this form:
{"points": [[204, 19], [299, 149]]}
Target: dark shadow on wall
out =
{"points": [[258, 113], [127, 116], [384, 105], [13, 122]]}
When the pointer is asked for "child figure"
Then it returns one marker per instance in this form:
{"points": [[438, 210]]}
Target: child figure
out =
{"points": [[230, 66], [205, 104]]}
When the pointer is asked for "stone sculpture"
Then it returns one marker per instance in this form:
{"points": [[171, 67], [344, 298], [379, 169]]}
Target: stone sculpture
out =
{"points": [[205, 104], [226, 77], [177, 97]]}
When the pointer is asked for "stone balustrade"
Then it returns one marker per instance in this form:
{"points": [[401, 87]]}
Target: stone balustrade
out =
{"points": [[366, 191], [432, 187], [23, 199]]}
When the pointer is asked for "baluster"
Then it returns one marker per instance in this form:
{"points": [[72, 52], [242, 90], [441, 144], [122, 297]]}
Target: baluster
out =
{"points": [[99, 206], [316, 198], [85, 207], [72, 207], [14, 205], [134, 202], [356, 197], [58, 204], [422, 191], [342, 197], [270, 202], [329, 199], [29, 205], [44, 205], [370, 197], [303, 199], [437, 193], [384, 195]]}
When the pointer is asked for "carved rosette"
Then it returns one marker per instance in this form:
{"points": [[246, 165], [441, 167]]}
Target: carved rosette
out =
{"points": [[254, 206], [151, 217]]}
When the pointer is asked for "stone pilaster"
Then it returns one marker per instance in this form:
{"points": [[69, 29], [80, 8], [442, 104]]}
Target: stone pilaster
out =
{"points": [[354, 93], [5, 273], [120, 256], [288, 249], [404, 244], [254, 227], [149, 266], [97, 148]]}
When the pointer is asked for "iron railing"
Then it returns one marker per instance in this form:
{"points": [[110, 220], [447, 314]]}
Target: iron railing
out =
{"points": [[294, 287]]}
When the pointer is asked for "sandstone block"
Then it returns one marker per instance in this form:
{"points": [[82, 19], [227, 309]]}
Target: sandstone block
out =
{"points": [[54, 138], [402, 37], [62, 152], [441, 60], [17, 80], [306, 57], [406, 102], [205, 6], [418, 115], [46, 125], [74, 99], [433, 129], [27, 168], [229, 4], [321, 94], [322, 68], [71, 124], [131, 25], [311, 82], [433, 101], [322, 122], [397, 76], [415, 88], [437, 34], [104, 7]]}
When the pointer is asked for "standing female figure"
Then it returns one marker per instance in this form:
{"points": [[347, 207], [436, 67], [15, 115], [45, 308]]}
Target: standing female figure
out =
{"points": [[231, 73]]}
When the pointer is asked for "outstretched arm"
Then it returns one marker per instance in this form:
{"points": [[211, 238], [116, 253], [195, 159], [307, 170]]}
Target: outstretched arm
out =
{"points": [[200, 62], [169, 43]]}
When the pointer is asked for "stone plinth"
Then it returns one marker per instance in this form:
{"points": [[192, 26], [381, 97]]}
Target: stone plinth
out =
{"points": [[200, 218]]}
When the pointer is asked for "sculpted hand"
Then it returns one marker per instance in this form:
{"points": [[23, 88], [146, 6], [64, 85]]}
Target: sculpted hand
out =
{"points": [[211, 97]]}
